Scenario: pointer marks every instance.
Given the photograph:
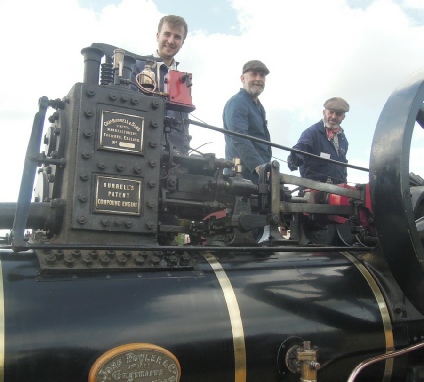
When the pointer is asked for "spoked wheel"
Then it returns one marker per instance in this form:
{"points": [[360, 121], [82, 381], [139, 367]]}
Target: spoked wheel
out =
{"points": [[398, 230]]}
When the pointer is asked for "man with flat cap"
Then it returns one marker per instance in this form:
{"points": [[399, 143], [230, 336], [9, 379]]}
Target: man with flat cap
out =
{"points": [[325, 139], [244, 114]]}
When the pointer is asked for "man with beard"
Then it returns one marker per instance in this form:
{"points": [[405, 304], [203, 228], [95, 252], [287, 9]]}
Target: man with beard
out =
{"points": [[325, 139], [170, 37], [244, 114]]}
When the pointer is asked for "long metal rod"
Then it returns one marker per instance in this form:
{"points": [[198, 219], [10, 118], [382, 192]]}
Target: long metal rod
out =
{"points": [[276, 145], [198, 248], [320, 186]]}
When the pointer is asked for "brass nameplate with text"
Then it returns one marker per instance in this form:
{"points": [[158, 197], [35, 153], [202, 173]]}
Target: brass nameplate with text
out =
{"points": [[123, 132], [141, 362], [118, 195]]}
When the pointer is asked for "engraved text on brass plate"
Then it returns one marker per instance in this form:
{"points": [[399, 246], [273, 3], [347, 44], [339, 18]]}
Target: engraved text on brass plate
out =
{"points": [[123, 132], [140, 362], [118, 195]]}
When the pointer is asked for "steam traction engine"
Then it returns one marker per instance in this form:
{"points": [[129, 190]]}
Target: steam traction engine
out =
{"points": [[95, 286]]}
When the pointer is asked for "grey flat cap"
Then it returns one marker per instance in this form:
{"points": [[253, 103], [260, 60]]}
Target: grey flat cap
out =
{"points": [[255, 65], [337, 104]]}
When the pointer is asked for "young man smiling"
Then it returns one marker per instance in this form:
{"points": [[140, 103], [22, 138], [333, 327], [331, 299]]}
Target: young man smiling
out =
{"points": [[172, 31], [171, 34]]}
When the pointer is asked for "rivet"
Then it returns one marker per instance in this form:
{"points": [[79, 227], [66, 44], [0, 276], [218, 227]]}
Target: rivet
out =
{"points": [[151, 203], [127, 254], [90, 92], [139, 260], [105, 260], [111, 254], [82, 198], [60, 254], [152, 183], [93, 254], [82, 219], [87, 260], [86, 154], [150, 225], [76, 253], [105, 222], [120, 166], [69, 261], [50, 259], [121, 260], [155, 260], [138, 169]]}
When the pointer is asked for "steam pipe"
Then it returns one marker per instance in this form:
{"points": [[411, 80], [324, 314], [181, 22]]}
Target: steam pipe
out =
{"points": [[326, 187], [382, 357], [189, 203], [28, 175], [37, 216], [129, 63], [92, 60]]}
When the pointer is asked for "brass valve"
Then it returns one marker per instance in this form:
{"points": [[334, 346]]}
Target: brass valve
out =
{"points": [[303, 360], [237, 165]]}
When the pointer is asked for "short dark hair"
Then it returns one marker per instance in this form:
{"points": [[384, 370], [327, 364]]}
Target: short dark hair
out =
{"points": [[175, 21]]}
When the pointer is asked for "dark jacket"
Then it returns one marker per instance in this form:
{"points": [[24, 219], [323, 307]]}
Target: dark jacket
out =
{"points": [[179, 136], [314, 140], [242, 115], [159, 68]]}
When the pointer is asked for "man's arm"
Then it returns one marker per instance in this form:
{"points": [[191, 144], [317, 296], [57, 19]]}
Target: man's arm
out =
{"points": [[305, 143]]}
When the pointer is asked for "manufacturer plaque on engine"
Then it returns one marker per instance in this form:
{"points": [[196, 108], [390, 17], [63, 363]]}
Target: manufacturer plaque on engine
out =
{"points": [[141, 362], [118, 195], [123, 132]]}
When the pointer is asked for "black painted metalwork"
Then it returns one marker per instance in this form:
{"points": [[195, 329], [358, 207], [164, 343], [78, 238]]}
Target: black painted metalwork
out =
{"points": [[390, 187], [58, 325], [335, 280]]}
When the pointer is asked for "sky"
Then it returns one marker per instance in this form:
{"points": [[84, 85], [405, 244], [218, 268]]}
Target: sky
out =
{"points": [[360, 50]]}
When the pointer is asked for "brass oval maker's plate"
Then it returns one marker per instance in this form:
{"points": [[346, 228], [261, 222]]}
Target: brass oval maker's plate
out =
{"points": [[138, 362]]}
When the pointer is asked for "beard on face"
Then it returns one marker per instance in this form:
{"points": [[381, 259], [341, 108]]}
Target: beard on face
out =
{"points": [[327, 125], [253, 90]]}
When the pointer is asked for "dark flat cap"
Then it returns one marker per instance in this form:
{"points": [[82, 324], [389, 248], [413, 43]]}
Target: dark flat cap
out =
{"points": [[255, 65], [337, 104]]}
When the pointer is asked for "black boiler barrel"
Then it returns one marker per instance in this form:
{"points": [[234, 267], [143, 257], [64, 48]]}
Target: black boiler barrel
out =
{"points": [[232, 319]]}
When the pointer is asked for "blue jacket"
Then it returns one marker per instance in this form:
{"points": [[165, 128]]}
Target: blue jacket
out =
{"points": [[314, 140], [181, 138], [242, 115]]}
